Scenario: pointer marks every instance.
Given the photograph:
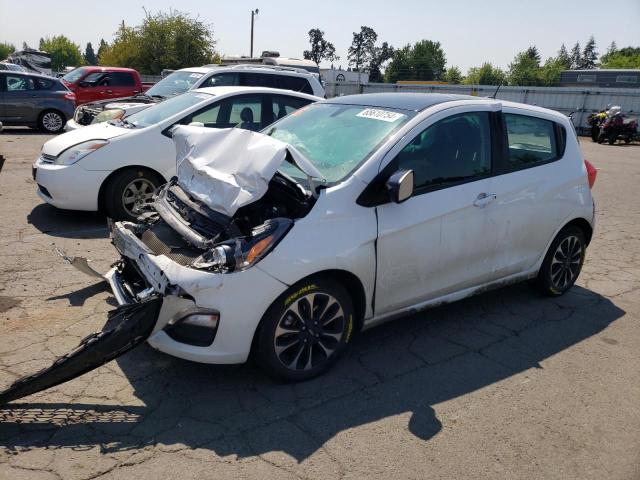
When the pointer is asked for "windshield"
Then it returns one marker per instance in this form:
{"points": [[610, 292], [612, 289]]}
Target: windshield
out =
{"points": [[174, 84], [74, 75], [162, 111], [336, 138]]}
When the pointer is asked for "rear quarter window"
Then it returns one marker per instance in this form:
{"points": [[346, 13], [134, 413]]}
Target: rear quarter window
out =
{"points": [[532, 141]]}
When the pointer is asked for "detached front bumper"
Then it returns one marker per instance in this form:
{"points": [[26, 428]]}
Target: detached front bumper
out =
{"points": [[239, 299]]}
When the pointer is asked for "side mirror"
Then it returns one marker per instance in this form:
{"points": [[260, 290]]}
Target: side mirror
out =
{"points": [[84, 84], [400, 186], [196, 124]]}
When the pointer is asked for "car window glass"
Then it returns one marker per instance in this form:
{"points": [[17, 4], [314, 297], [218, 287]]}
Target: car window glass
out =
{"points": [[209, 116], [121, 79], [96, 78], [283, 106], [221, 80], [19, 83], [258, 80], [246, 112], [455, 149], [43, 84], [287, 82], [175, 83], [169, 108], [531, 140], [74, 75]]}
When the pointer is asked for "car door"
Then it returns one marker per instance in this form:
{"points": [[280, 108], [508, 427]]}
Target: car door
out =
{"points": [[529, 206], [19, 101], [121, 84], [92, 87], [438, 241], [3, 87]]}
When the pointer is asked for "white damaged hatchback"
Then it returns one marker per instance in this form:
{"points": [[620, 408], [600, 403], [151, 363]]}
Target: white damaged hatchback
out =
{"points": [[347, 213]]}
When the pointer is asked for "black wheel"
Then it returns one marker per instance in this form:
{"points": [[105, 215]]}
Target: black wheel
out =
{"points": [[563, 262], [594, 133], [305, 330], [627, 140], [602, 137], [128, 191], [612, 138], [51, 121]]}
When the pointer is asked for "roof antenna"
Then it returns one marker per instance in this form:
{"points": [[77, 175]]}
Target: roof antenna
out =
{"points": [[496, 92]]}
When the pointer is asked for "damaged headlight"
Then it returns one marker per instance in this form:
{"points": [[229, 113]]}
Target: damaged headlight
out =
{"points": [[241, 253], [73, 154], [110, 114]]}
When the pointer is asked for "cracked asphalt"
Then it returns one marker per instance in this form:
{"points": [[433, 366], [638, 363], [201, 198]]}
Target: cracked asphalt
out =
{"points": [[503, 385]]}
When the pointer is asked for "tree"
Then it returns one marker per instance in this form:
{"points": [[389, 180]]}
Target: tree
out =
{"points": [[321, 49], [362, 48], [452, 75], [524, 70], [613, 48], [6, 49], [381, 55], [549, 73], [589, 55], [533, 53], [25, 46], [89, 55], [564, 57], [41, 44], [64, 53], [628, 57], [425, 61], [102, 48], [487, 74], [576, 56], [164, 40]]}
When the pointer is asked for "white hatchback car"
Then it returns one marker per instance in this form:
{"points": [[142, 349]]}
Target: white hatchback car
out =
{"points": [[116, 166], [348, 213]]}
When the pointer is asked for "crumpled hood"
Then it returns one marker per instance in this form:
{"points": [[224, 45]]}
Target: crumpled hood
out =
{"points": [[98, 131], [228, 168]]}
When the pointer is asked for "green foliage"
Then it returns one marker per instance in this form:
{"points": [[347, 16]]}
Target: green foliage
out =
{"points": [[524, 70], [487, 74], [64, 53], [628, 57], [564, 57], [425, 61], [533, 53], [6, 49], [164, 40], [589, 55], [102, 48], [549, 73], [452, 75], [380, 56], [362, 48], [321, 49], [89, 55], [576, 56]]}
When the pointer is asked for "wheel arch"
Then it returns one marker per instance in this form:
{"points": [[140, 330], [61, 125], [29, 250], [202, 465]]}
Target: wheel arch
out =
{"points": [[116, 172], [583, 225]]}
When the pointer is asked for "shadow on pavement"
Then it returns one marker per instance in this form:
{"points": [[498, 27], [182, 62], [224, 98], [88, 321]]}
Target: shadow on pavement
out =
{"points": [[68, 223], [78, 297], [406, 366]]}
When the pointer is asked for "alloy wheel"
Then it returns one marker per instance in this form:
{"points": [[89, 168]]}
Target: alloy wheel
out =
{"points": [[51, 121], [137, 194], [309, 331], [565, 264]]}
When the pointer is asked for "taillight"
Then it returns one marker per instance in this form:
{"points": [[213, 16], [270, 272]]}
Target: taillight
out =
{"points": [[591, 173], [70, 96]]}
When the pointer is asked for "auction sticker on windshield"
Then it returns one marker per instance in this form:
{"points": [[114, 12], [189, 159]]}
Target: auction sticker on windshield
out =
{"points": [[377, 114]]}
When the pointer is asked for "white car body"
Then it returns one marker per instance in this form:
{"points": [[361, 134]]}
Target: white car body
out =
{"points": [[78, 186], [434, 248], [204, 77]]}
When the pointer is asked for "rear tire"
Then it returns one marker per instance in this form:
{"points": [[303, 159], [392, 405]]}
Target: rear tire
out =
{"points": [[51, 121], [127, 192], [562, 264], [305, 330], [612, 139]]}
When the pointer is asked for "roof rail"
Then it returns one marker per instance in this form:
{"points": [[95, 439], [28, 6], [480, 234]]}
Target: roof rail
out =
{"points": [[270, 67]]}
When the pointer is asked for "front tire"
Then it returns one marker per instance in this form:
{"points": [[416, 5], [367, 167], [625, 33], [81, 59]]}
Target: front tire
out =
{"points": [[305, 330], [128, 191], [51, 121], [563, 263]]}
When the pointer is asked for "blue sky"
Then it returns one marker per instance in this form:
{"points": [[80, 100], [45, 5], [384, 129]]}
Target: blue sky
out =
{"points": [[471, 31]]}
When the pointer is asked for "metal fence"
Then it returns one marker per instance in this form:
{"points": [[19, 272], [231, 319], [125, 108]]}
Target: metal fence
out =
{"points": [[562, 99]]}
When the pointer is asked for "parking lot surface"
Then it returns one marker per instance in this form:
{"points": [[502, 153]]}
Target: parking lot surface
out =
{"points": [[503, 385]]}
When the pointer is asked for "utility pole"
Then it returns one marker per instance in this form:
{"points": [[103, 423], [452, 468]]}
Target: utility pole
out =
{"points": [[253, 14]]}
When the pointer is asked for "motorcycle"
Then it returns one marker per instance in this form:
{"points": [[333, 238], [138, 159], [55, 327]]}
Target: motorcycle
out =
{"points": [[615, 127], [595, 121]]}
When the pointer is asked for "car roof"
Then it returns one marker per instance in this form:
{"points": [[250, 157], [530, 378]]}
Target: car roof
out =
{"points": [[97, 68], [260, 68], [30, 74], [403, 101], [219, 91]]}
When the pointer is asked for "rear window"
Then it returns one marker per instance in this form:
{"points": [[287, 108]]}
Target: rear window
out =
{"points": [[532, 140], [296, 84], [44, 83]]}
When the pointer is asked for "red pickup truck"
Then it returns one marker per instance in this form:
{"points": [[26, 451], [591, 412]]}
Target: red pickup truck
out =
{"points": [[103, 83]]}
